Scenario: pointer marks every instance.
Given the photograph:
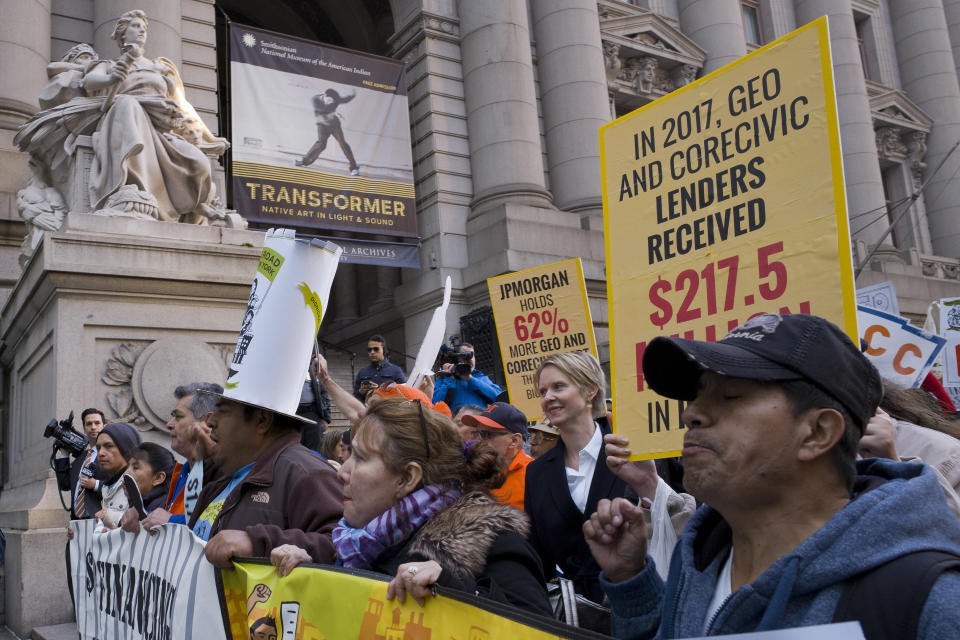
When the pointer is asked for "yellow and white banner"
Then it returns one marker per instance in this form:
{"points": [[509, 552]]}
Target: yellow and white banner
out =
{"points": [[539, 312], [722, 201], [318, 603]]}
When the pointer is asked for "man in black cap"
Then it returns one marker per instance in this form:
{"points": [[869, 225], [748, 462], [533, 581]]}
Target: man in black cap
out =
{"points": [[775, 411]]}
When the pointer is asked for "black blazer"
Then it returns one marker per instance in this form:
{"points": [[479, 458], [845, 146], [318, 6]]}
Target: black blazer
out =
{"points": [[556, 531], [68, 475]]}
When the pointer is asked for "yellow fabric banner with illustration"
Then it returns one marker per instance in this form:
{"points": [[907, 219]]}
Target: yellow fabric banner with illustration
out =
{"points": [[722, 201], [314, 603]]}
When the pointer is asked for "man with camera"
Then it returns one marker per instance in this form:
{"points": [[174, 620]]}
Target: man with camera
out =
{"points": [[459, 382], [379, 370], [78, 477]]}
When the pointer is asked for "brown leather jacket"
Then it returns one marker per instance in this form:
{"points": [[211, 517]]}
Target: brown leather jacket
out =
{"points": [[290, 496]]}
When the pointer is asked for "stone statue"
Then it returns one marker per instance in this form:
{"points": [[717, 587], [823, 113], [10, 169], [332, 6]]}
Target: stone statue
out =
{"points": [[641, 72], [151, 152], [611, 60], [683, 75], [42, 208]]}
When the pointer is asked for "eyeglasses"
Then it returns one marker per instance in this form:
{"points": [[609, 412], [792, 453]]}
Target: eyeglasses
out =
{"points": [[372, 349], [489, 435]]}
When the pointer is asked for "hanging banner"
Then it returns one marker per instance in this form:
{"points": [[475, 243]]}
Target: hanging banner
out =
{"points": [[149, 587], [313, 603], [882, 297], [950, 331], [538, 312], [902, 353], [320, 135], [381, 254], [723, 200]]}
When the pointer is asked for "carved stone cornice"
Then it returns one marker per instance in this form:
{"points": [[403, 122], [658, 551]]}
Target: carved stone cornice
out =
{"points": [[893, 108], [422, 25], [645, 56], [939, 267]]}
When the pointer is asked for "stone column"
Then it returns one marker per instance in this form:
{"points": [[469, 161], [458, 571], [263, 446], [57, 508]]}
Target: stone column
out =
{"points": [[501, 104], [717, 26], [861, 165], [163, 35], [573, 92], [951, 9], [25, 51], [929, 78]]}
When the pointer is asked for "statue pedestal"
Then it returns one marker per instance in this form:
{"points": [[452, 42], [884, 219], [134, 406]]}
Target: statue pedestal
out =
{"points": [[111, 313]]}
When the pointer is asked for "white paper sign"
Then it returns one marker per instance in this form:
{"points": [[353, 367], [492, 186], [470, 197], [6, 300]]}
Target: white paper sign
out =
{"points": [[287, 301], [901, 352], [432, 339], [882, 297], [143, 586], [950, 331]]}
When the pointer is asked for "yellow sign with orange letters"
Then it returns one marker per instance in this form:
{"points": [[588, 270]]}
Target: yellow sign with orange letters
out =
{"points": [[722, 201]]}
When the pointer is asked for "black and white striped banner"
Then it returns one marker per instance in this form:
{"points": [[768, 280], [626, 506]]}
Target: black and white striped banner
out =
{"points": [[132, 587]]}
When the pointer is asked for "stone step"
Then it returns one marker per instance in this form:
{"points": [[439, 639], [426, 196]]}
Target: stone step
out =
{"points": [[66, 631]]}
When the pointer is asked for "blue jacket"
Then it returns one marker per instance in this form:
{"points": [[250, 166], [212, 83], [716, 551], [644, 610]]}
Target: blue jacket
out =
{"points": [[904, 512], [381, 372], [479, 390]]}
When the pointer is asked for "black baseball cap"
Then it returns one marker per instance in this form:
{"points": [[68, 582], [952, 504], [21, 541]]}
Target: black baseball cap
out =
{"points": [[499, 416], [770, 347]]}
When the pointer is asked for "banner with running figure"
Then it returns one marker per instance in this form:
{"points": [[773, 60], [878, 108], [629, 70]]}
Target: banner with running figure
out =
{"points": [[320, 136], [142, 587]]}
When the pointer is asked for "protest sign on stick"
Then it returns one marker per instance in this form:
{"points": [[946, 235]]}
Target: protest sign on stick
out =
{"points": [[881, 296], [539, 312], [903, 354], [950, 331], [722, 201], [432, 339]]}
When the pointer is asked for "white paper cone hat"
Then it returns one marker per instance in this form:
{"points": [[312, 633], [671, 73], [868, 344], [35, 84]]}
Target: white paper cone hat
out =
{"points": [[287, 301]]}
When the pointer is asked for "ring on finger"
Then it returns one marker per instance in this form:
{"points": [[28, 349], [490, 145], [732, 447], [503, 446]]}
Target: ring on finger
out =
{"points": [[412, 571]]}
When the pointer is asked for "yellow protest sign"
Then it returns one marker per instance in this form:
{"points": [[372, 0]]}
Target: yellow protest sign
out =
{"points": [[722, 201], [316, 603], [538, 312]]}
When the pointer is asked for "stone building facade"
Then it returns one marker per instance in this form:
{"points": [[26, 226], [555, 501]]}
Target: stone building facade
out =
{"points": [[506, 97]]}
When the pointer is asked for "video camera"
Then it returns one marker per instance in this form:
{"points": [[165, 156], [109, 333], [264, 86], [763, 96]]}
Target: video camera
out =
{"points": [[65, 436], [460, 360]]}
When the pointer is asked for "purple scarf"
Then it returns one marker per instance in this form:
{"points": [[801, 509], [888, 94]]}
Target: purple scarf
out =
{"points": [[358, 548]]}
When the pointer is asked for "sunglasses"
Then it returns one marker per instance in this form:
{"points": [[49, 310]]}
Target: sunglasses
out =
{"points": [[489, 435], [372, 349]]}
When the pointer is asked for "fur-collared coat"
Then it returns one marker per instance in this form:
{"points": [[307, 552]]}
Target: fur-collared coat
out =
{"points": [[482, 547]]}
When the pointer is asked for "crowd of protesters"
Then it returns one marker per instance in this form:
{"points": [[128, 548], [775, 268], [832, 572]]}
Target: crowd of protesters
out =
{"points": [[809, 491]]}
